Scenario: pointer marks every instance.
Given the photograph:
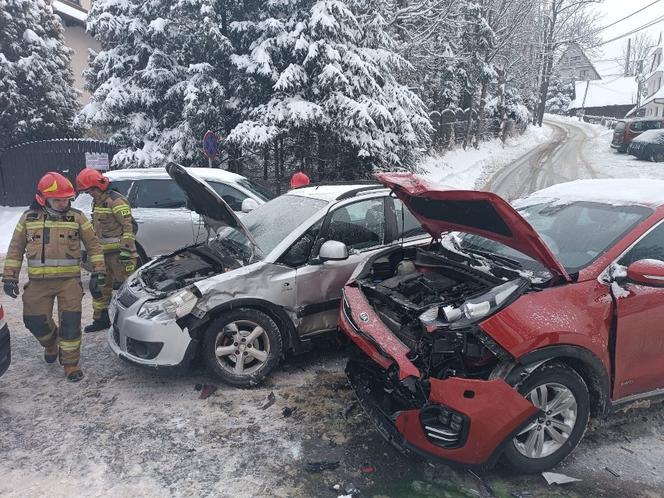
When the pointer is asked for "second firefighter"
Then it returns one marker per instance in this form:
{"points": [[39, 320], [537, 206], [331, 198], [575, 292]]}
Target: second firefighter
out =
{"points": [[113, 223]]}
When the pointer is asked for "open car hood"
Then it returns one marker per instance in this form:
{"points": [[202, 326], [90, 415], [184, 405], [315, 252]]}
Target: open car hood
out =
{"points": [[440, 209], [206, 202]]}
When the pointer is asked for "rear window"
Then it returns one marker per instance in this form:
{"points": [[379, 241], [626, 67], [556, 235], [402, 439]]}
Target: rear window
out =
{"points": [[256, 189], [164, 194], [121, 186]]}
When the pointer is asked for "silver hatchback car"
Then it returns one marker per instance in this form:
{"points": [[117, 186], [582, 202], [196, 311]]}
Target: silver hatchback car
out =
{"points": [[259, 287], [160, 209]]}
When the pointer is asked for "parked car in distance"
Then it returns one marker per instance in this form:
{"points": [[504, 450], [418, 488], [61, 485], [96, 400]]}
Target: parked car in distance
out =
{"points": [[5, 345], [159, 205], [648, 146], [628, 129], [502, 337], [265, 285]]}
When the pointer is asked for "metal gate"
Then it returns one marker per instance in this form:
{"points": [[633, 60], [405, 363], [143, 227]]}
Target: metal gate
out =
{"points": [[21, 166]]}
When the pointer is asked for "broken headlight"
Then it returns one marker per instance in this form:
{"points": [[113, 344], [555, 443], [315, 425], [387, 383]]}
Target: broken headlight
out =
{"points": [[474, 309], [173, 307]]}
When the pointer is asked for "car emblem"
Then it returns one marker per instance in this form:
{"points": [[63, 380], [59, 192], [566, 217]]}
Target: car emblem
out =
{"points": [[364, 316]]}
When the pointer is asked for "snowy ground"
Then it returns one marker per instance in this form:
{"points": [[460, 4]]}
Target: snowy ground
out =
{"points": [[470, 168], [125, 431]]}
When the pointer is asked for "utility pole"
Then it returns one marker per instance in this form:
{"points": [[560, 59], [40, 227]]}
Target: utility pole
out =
{"points": [[629, 51]]}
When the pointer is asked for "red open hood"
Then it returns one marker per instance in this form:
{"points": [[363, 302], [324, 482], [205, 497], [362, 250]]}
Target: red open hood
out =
{"points": [[440, 209]]}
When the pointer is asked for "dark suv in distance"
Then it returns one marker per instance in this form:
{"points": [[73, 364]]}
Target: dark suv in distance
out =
{"points": [[628, 129]]}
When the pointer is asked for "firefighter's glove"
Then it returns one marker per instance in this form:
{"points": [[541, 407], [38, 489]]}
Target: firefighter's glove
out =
{"points": [[125, 256], [97, 282], [11, 288]]}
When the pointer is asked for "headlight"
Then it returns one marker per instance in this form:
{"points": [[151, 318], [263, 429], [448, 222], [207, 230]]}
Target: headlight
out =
{"points": [[178, 305], [476, 308]]}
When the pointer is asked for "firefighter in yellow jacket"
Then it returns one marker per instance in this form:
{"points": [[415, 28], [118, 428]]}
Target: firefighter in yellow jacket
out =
{"points": [[113, 223], [50, 235]]}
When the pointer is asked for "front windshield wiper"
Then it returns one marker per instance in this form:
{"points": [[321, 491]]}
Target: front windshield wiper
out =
{"points": [[496, 257]]}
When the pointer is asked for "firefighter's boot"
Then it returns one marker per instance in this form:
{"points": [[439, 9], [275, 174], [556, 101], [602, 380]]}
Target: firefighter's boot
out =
{"points": [[98, 324], [73, 373]]}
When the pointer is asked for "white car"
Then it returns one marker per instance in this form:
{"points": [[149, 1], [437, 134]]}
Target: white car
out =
{"points": [[160, 206]]}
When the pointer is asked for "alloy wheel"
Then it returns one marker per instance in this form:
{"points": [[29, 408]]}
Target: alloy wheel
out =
{"points": [[242, 347], [551, 430]]}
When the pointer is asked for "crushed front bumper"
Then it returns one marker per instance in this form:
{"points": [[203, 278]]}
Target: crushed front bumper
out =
{"points": [[460, 420], [145, 342]]}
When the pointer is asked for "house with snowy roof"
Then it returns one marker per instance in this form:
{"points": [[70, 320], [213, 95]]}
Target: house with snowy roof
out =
{"points": [[613, 97], [74, 14], [574, 65], [653, 83]]}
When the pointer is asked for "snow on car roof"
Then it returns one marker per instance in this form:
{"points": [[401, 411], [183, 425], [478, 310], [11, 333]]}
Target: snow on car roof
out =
{"points": [[160, 173], [328, 192], [652, 136], [614, 191]]}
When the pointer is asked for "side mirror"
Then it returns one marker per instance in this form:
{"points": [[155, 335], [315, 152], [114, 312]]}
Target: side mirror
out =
{"points": [[249, 205], [333, 250], [647, 272]]}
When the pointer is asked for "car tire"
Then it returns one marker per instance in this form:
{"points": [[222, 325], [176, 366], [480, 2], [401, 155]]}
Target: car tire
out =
{"points": [[229, 338], [548, 440], [657, 157]]}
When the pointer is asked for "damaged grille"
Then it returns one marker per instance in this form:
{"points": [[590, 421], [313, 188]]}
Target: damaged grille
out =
{"points": [[444, 427]]}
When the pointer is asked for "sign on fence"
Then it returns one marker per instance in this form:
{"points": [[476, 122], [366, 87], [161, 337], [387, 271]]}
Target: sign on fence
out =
{"points": [[97, 160]]}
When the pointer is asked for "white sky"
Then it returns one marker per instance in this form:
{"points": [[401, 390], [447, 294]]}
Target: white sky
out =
{"points": [[612, 10]]}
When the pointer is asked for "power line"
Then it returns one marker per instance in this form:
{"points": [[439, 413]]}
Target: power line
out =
{"points": [[627, 16], [635, 30]]}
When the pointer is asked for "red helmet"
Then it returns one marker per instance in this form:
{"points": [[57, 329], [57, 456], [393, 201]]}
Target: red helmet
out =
{"points": [[89, 178], [54, 186], [299, 179]]}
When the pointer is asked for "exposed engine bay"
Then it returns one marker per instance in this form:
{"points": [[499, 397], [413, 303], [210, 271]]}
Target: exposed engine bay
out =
{"points": [[187, 266], [432, 304]]}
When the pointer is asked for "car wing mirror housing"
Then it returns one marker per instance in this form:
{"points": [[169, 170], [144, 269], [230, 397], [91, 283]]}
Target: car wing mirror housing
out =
{"points": [[333, 250], [646, 272], [249, 205]]}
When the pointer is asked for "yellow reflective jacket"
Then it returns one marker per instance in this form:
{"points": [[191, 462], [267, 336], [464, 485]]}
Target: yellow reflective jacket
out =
{"points": [[52, 245], [113, 223]]}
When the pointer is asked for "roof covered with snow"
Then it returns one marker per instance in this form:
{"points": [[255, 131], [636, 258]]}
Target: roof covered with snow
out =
{"points": [[70, 11], [603, 93], [650, 136], [329, 192], [613, 191], [160, 173]]}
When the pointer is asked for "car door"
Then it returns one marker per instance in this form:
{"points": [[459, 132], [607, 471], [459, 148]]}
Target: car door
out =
{"points": [[164, 222], [360, 225], [639, 348]]}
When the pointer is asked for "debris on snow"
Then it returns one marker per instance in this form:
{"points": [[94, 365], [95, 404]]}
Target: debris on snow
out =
{"points": [[555, 478], [207, 390], [612, 472], [314, 467], [269, 401], [288, 411]]}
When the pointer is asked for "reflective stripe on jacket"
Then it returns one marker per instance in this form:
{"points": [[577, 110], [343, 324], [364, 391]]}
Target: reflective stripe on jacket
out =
{"points": [[113, 223], [52, 245]]}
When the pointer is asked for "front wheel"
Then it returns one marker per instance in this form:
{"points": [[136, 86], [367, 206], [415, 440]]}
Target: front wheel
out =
{"points": [[242, 347], [563, 397], [657, 156]]}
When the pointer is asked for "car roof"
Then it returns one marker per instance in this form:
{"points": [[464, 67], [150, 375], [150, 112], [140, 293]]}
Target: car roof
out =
{"points": [[613, 191], [333, 192], [160, 174]]}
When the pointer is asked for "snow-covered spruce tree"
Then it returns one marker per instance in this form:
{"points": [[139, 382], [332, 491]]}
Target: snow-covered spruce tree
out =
{"points": [[37, 96], [320, 81], [161, 79], [559, 95]]}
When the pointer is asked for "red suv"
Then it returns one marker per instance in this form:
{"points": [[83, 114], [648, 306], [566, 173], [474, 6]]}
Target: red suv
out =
{"points": [[625, 131], [513, 326]]}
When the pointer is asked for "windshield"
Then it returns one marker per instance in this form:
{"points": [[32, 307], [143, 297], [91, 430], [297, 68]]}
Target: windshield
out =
{"points": [[576, 233], [272, 222], [256, 189]]}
